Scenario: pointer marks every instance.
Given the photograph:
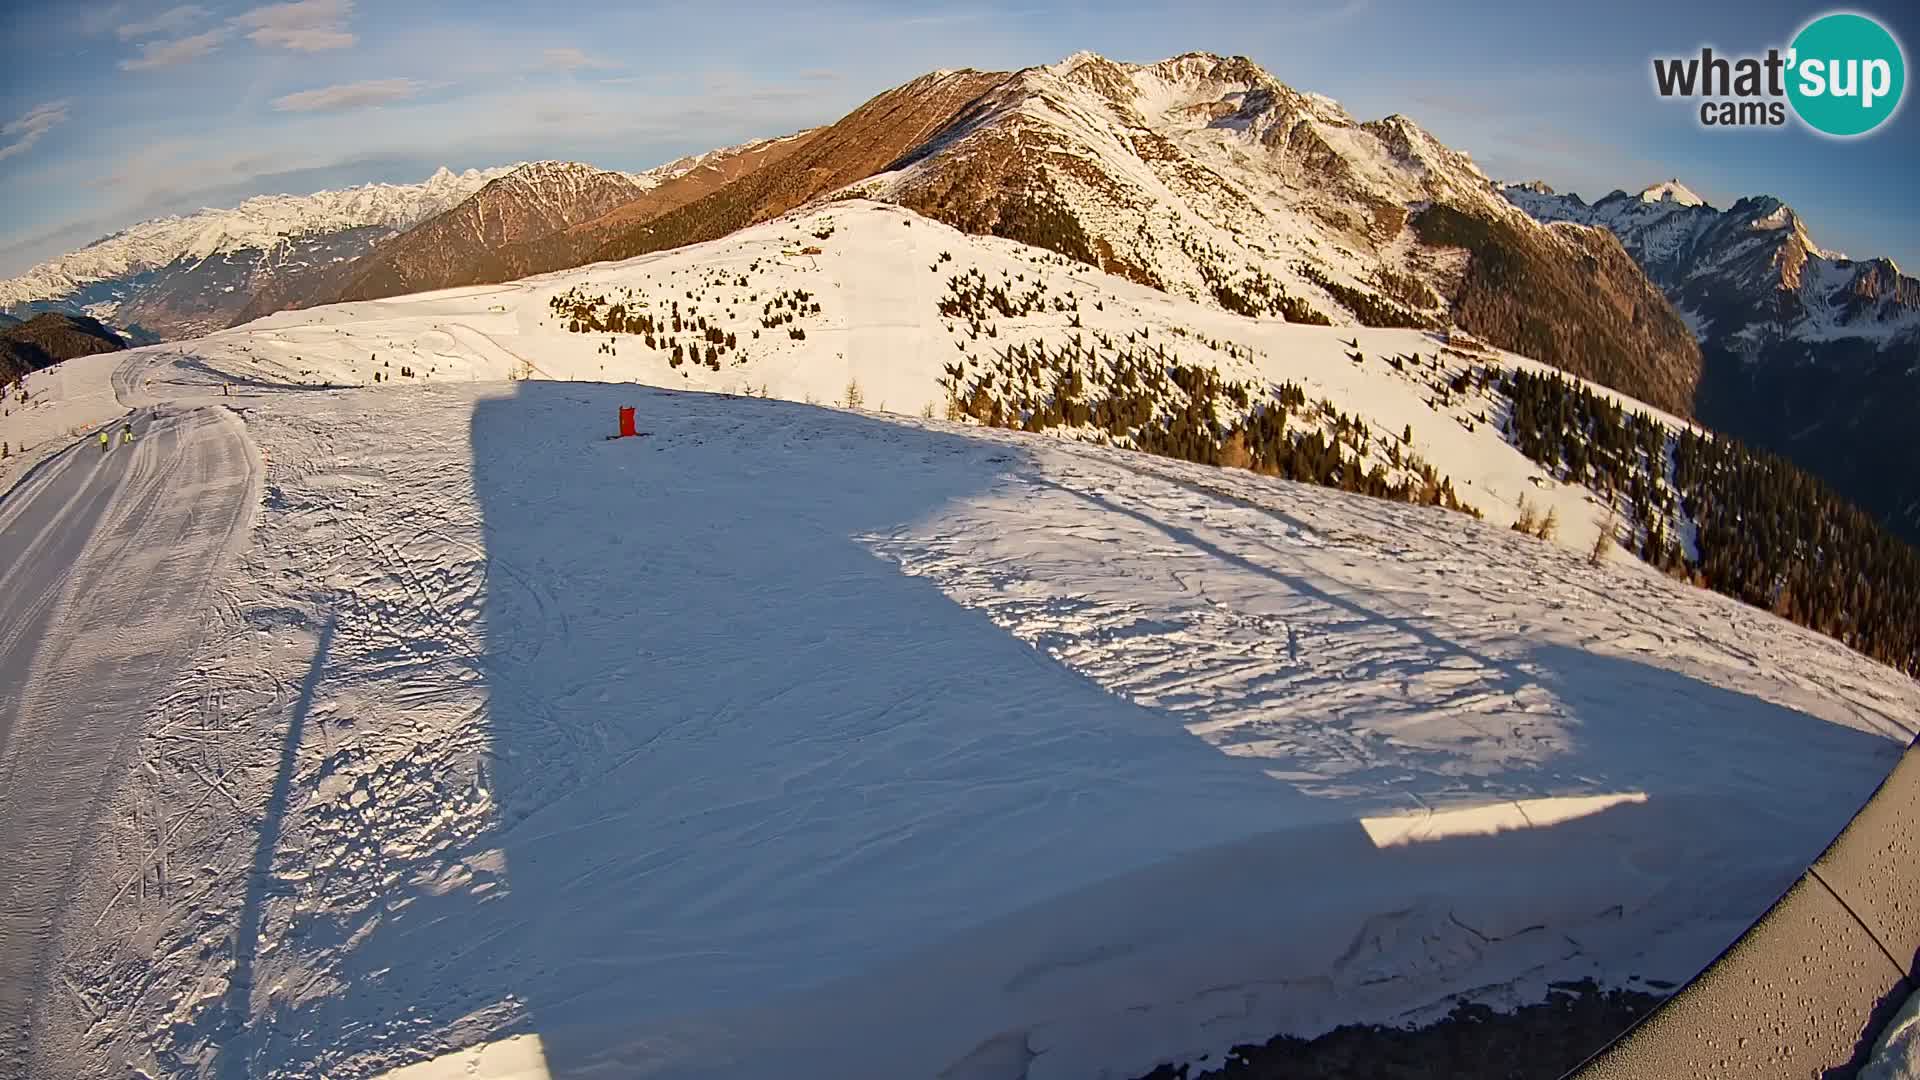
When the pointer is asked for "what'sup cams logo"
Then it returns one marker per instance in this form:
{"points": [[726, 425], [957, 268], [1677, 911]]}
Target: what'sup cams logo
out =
{"points": [[1843, 75]]}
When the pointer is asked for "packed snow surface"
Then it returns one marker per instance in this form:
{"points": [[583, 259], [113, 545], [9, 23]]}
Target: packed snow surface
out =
{"points": [[800, 740]]}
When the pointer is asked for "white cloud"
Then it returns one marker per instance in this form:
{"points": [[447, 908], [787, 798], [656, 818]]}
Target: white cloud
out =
{"points": [[348, 96], [171, 21], [303, 26], [21, 134], [159, 54], [101, 18], [572, 60]]}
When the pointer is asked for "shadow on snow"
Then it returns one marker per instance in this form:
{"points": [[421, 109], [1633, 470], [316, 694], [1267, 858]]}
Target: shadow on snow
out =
{"points": [[760, 797]]}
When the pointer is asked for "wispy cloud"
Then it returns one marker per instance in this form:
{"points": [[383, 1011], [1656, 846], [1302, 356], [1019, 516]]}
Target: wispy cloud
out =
{"points": [[21, 134], [160, 54], [171, 21], [349, 96], [303, 26], [573, 60], [101, 18]]}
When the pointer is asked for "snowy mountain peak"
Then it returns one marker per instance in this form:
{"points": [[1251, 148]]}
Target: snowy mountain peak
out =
{"points": [[1193, 89], [551, 167], [1083, 56], [557, 177], [1670, 191], [1749, 276]]}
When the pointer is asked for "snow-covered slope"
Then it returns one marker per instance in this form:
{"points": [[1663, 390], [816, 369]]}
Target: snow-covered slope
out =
{"points": [[1210, 178], [866, 294], [814, 741]]}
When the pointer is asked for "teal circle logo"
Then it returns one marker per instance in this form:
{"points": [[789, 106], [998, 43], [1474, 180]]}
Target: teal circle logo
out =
{"points": [[1847, 74]]}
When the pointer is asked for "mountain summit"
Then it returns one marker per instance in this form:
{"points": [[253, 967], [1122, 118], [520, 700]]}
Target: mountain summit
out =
{"points": [[1207, 177], [1750, 276], [1672, 191]]}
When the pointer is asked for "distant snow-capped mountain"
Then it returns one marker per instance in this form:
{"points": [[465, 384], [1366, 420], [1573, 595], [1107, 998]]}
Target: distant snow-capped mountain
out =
{"points": [[462, 244], [187, 274], [1807, 352], [537, 217], [1749, 276]]}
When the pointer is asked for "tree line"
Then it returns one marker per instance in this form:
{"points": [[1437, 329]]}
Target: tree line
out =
{"points": [[1761, 530]]}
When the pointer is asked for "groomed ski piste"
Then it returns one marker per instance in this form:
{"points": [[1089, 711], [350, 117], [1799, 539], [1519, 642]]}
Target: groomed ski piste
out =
{"points": [[798, 739]]}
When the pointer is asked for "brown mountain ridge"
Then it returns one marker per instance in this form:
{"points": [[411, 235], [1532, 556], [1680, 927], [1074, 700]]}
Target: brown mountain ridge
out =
{"points": [[1200, 175]]}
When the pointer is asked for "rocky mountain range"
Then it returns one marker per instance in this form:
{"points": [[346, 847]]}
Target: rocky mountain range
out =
{"points": [[1201, 175], [460, 246], [184, 275], [710, 195], [533, 218], [1807, 352], [1748, 277]]}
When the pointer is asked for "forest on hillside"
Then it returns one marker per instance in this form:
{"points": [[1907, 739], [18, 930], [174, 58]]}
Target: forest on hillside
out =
{"points": [[1763, 531]]}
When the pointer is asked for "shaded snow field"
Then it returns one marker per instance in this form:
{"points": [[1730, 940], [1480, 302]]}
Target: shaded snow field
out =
{"points": [[800, 741]]}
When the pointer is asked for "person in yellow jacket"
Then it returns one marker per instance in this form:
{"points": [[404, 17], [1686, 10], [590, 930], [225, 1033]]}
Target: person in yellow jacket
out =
{"points": [[126, 434], [104, 441]]}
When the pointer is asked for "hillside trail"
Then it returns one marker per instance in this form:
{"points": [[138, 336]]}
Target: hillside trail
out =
{"points": [[108, 559]]}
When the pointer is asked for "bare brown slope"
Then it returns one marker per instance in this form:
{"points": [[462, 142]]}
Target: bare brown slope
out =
{"points": [[1581, 305], [723, 191], [535, 245], [864, 142], [464, 246], [576, 244]]}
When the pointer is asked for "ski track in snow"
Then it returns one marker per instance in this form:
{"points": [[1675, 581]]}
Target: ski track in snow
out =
{"points": [[113, 550], [810, 742]]}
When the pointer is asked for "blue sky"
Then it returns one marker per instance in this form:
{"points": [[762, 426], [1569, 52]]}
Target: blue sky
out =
{"points": [[120, 112]]}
